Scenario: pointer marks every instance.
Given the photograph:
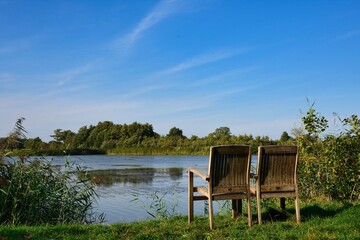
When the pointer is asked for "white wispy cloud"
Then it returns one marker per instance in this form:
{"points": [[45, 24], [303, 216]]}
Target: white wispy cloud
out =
{"points": [[17, 45], [162, 10], [196, 61], [10, 48], [66, 76], [202, 60], [189, 102], [221, 77], [102, 108], [348, 35], [146, 89], [222, 94], [62, 91]]}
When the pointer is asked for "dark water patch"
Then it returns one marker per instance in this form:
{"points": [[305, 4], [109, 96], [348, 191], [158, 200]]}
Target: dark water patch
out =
{"points": [[133, 176]]}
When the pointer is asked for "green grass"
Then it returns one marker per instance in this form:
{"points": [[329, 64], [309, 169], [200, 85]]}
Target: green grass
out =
{"points": [[330, 220]]}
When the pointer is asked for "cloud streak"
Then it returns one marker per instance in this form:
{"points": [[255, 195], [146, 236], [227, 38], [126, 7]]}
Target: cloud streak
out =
{"points": [[162, 10], [196, 61], [18, 45], [144, 90], [202, 60], [348, 35], [221, 77], [66, 76]]}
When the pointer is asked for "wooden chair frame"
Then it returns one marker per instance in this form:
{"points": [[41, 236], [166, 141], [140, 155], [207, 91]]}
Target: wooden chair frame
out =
{"points": [[277, 176], [227, 179]]}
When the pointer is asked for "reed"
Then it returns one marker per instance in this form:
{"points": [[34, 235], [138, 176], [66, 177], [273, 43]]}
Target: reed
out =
{"points": [[33, 192]]}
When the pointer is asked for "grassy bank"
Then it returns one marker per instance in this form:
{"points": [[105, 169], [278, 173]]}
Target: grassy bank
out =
{"points": [[158, 151], [319, 221]]}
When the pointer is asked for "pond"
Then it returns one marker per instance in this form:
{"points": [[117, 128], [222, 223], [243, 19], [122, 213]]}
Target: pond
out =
{"points": [[130, 186]]}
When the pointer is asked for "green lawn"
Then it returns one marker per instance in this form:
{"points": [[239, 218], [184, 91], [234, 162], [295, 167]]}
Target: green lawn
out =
{"points": [[331, 220]]}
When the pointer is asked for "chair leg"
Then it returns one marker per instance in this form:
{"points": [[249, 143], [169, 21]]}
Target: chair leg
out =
{"points": [[233, 208], [282, 204], [249, 209], [211, 219], [258, 206], [191, 198], [239, 206], [236, 207], [297, 209]]}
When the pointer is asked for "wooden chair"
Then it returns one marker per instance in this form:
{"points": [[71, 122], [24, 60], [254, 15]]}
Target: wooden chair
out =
{"points": [[227, 178], [277, 176]]}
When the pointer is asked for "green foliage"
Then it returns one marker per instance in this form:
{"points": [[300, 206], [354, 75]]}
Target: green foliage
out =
{"points": [[33, 192], [175, 132], [285, 137], [222, 132], [314, 123], [66, 137], [330, 164], [135, 138]]}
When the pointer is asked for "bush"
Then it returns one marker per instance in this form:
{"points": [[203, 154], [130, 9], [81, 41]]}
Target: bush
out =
{"points": [[329, 164]]}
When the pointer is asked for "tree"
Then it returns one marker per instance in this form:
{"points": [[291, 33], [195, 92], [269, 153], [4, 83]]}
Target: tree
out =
{"points": [[81, 138], [175, 132], [222, 132], [284, 137], [65, 137], [33, 143], [222, 135], [58, 135]]}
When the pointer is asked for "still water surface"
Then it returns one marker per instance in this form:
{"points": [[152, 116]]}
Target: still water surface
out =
{"points": [[126, 184]]}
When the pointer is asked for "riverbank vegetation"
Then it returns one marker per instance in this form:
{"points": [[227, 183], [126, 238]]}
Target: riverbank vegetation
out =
{"points": [[329, 163], [132, 139], [33, 192]]}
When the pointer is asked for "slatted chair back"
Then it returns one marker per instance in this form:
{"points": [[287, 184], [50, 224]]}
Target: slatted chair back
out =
{"points": [[229, 169], [277, 167]]}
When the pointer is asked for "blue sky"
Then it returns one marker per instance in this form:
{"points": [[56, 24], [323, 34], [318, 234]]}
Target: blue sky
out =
{"points": [[194, 64]]}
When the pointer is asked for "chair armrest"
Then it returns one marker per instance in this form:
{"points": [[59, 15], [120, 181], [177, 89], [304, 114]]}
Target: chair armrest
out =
{"points": [[199, 173]]}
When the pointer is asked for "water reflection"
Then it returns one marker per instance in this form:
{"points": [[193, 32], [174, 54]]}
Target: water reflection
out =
{"points": [[133, 176], [120, 178]]}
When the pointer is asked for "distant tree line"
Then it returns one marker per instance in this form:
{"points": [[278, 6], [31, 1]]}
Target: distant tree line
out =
{"points": [[134, 138]]}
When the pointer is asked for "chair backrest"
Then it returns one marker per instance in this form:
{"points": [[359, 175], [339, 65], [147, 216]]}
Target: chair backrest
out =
{"points": [[229, 168], [277, 168]]}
